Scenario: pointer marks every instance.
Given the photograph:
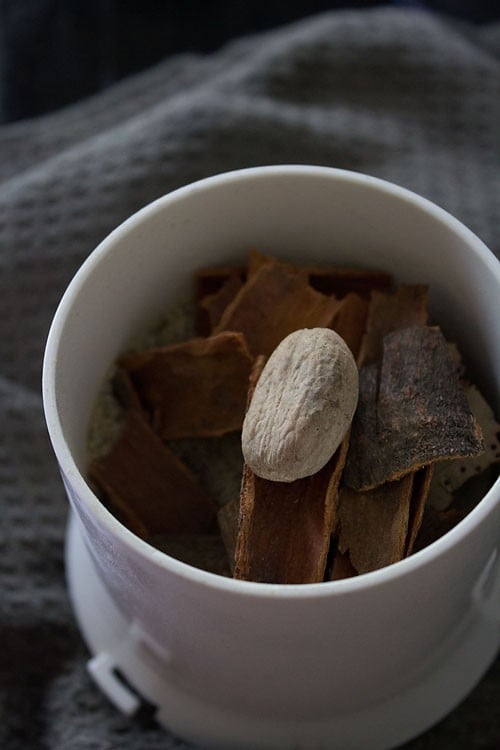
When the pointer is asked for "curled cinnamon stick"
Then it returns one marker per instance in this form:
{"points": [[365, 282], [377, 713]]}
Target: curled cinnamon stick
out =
{"points": [[285, 527]]}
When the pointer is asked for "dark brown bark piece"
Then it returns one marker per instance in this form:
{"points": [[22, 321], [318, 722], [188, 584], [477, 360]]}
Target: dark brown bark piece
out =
{"points": [[194, 389], [421, 413], [421, 402], [153, 492], [405, 307], [273, 303], [374, 525], [211, 307], [205, 551]]}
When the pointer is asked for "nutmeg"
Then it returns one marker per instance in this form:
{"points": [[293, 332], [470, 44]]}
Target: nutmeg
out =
{"points": [[302, 406]]}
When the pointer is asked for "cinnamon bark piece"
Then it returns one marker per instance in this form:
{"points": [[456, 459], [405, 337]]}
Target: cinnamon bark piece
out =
{"points": [[405, 307], [210, 279], [415, 415], [336, 280], [256, 260], [211, 307], [350, 317], [387, 312], [374, 525], [273, 303], [285, 527], [152, 491], [379, 527], [349, 320], [194, 389]]}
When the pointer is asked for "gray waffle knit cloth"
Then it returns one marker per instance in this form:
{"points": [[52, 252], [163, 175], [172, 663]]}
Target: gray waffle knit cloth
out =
{"points": [[399, 94]]}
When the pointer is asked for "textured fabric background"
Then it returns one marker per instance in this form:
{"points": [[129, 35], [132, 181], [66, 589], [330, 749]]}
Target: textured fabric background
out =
{"points": [[399, 94]]}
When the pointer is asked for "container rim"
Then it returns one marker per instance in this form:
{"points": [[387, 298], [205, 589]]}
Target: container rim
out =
{"points": [[140, 547]]}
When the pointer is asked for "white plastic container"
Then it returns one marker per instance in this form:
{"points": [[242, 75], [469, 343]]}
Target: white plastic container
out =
{"points": [[366, 662]]}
